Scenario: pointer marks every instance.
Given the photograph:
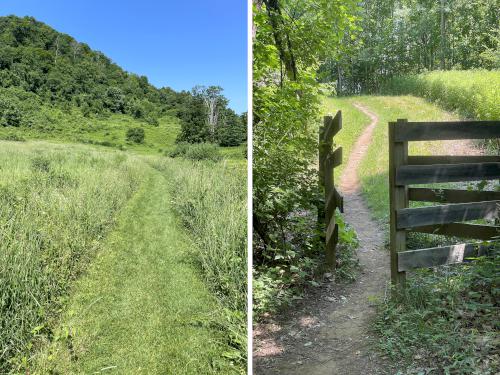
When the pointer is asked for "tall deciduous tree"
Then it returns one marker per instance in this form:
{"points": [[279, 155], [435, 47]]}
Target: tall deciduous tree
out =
{"points": [[291, 38]]}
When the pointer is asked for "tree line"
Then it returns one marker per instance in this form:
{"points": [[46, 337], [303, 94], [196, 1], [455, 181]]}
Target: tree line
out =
{"points": [[399, 37], [40, 66]]}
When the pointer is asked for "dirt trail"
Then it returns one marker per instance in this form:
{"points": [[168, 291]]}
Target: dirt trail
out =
{"points": [[329, 331]]}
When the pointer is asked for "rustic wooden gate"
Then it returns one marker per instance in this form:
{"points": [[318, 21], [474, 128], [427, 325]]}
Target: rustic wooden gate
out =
{"points": [[461, 205], [328, 160]]}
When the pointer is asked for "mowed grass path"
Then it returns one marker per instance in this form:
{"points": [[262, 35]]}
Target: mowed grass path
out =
{"points": [[142, 307]]}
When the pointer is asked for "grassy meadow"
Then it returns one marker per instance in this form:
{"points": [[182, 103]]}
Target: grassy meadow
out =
{"points": [[107, 131], [106, 254], [57, 203], [474, 94]]}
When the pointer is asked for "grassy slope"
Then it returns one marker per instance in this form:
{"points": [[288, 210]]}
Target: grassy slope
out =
{"points": [[142, 306], [472, 93], [109, 132]]}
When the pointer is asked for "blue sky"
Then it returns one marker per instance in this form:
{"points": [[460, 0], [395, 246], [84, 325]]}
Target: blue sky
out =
{"points": [[174, 43]]}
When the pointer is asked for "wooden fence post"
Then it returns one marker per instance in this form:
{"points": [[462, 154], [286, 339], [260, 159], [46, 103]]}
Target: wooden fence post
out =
{"points": [[323, 151], [398, 195]]}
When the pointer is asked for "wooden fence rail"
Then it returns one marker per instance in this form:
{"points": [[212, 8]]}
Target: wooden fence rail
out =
{"points": [[328, 160], [455, 206]]}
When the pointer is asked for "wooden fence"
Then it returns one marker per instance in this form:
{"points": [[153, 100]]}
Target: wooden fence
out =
{"points": [[461, 205], [328, 160]]}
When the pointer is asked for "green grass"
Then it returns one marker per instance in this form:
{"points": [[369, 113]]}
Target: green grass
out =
{"points": [[106, 261], [142, 308], [57, 202], [472, 93], [210, 198], [444, 321], [107, 131]]}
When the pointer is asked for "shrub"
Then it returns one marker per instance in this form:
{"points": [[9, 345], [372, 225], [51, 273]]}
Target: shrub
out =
{"points": [[10, 114], [135, 135], [13, 138], [197, 151]]}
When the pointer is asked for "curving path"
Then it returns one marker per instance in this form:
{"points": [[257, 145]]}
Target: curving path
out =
{"points": [[329, 333]]}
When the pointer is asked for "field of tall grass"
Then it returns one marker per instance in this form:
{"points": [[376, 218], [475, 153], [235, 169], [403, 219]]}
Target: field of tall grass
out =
{"points": [[474, 94], [210, 198], [56, 204]]}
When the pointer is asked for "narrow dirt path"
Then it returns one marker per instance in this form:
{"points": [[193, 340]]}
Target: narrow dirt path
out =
{"points": [[329, 332]]}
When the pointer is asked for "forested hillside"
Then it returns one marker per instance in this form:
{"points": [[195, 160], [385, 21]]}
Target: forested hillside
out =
{"points": [[47, 78]]}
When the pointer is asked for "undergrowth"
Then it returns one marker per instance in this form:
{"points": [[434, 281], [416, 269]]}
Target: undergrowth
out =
{"points": [[278, 285], [445, 320]]}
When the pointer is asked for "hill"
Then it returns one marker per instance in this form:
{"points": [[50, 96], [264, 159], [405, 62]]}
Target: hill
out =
{"points": [[53, 86]]}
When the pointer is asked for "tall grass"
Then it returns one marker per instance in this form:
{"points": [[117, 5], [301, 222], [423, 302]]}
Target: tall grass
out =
{"points": [[472, 93], [56, 204], [210, 198]]}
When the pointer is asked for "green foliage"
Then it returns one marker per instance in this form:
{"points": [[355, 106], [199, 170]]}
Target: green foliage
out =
{"points": [[415, 36], [232, 131], [135, 135], [57, 205], [10, 113], [445, 319], [211, 201], [194, 123], [291, 39], [196, 152], [42, 70]]}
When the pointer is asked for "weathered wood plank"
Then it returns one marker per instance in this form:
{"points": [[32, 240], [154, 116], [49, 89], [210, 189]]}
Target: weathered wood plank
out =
{"points": [[421, 216], [423, 174], [330, 231], [331, 247], [333, 127], [462, 230], [436, 256], [334, 200], [448, 159], [398, 199], [333, 159], [429, 131], [451, 195]]}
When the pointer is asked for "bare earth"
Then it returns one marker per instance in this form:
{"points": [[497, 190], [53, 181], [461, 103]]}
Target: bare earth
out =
{"points": [[329, 331]]}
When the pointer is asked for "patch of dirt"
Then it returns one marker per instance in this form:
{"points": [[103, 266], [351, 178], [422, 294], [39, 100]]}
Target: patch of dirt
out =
{"points": [[329, 331]]}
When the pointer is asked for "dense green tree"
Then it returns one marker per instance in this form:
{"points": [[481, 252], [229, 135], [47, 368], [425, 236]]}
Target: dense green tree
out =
{"points": [[291, 38], [194, 123], [412, 36], [231, 130]]}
